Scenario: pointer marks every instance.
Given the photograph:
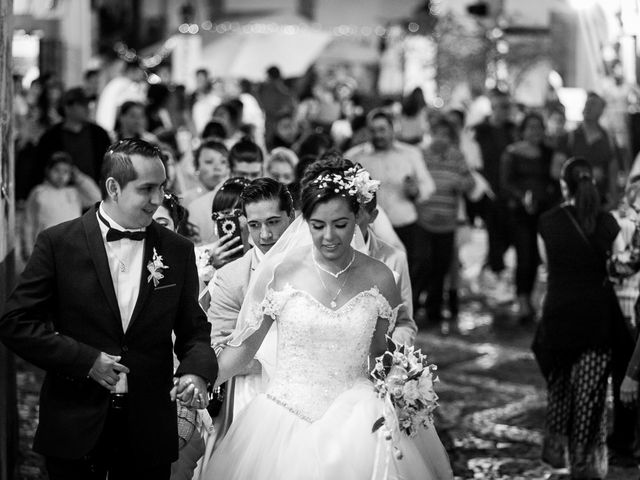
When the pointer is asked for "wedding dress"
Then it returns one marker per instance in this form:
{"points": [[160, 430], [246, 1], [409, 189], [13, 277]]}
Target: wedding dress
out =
{"points": [[315, 419]]}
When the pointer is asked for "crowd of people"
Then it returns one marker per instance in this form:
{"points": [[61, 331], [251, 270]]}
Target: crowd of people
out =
{"points": [[240, 158]]}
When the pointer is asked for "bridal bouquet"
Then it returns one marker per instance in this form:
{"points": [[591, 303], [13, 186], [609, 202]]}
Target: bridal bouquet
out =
{"points": [[404, 379]]}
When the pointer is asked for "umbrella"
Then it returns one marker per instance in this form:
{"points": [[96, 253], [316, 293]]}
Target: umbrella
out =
{"points": [[291, 46], [349, 50]]}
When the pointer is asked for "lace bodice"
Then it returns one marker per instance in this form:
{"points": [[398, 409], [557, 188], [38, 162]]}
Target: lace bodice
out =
{"points": [[321, 352]]}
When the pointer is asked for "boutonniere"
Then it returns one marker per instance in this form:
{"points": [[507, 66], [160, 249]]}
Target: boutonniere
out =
{"points": [[155, 267]]}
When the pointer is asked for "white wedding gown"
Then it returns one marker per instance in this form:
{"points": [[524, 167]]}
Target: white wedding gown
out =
{"points": [[315, 419]]}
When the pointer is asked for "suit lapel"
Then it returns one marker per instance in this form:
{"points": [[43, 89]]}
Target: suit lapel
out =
{"points": [[100, 261], [150, 243]]}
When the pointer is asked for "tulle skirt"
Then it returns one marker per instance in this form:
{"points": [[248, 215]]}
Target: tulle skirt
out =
{"points": [[268, 441]]}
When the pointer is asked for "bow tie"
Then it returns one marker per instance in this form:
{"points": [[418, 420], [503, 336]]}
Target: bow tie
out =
{"points": [[114, 235]]}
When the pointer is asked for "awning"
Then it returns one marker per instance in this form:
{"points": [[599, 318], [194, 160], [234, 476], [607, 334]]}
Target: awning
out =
{"points": [[283, 41]]}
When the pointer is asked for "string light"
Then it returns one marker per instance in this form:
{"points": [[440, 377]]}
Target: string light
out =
{"points": [[287, 29], [259, 28]]}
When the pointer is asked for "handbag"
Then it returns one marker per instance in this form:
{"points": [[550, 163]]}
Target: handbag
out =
{"points": [[624, 335]]}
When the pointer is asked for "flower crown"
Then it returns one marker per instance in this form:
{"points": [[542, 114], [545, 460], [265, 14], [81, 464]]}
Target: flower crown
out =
{"points": [[355, 182]]}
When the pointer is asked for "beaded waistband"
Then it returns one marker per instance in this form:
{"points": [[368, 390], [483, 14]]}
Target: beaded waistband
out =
{"points": [[295, 411]]}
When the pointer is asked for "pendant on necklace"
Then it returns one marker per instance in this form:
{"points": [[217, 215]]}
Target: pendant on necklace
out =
{"points": [[333, 304]]}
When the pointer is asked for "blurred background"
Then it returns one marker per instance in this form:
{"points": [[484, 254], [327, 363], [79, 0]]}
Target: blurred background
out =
{"points": [[338, 59]]}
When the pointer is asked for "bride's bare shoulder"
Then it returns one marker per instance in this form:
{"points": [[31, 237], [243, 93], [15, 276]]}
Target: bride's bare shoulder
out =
{"points": [[375, 271]]}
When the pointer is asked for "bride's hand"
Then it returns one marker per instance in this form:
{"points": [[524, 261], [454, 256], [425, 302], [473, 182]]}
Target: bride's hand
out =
{"points": [[220, 338], [190, 391]]}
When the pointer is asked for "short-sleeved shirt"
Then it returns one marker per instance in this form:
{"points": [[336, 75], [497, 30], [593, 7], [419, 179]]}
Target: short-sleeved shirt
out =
{"points": [[391, 167]]}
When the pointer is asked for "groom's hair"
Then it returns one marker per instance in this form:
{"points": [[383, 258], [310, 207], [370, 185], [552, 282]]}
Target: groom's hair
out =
{"points": [[262, 189], [117, 161]]}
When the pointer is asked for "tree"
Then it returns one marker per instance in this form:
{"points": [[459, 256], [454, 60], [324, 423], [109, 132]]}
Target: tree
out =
{"points": [[463, 51]]}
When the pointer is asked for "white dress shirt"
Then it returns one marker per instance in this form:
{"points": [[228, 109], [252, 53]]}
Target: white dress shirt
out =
{"points": [[125, 264], [391, 167]]}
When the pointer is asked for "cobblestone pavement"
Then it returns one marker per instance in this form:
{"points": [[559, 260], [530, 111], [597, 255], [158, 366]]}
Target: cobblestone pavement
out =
{"points": [[492, 403], [492, 396]]}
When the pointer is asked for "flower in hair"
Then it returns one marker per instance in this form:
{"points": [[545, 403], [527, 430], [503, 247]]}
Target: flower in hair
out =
{"points": [[355, 182], [364, 185]]}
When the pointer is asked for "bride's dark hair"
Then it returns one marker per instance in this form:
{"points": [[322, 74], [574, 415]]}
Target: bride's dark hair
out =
{"points": [[314, 193]]}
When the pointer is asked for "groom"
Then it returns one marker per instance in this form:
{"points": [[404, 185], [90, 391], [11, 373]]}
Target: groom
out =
{"points": [[96, 307]]}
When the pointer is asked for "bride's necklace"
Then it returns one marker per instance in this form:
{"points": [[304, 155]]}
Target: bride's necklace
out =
{"points": [[333, 303], [334, 275]]}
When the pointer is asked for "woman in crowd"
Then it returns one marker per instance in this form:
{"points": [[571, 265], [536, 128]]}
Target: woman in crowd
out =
{"points": [[281, 165], [227, 202], [556, 126], [580, 323], [211, 165], [50, 101], [175, 176], [174, 216], [413, 123], [132, 123], [287, 130], [229, 114], [227, 247], [527, 184]]}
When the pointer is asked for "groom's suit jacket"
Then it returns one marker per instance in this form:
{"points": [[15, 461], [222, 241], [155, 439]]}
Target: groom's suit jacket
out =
{"points": [[64, 312]]}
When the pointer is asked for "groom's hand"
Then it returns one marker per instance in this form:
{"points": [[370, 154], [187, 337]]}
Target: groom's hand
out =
{"points": [[105, 370], [190, 391]]}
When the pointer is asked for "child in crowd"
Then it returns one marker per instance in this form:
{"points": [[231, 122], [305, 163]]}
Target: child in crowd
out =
{"points": [[64, 194], [438, 216]]}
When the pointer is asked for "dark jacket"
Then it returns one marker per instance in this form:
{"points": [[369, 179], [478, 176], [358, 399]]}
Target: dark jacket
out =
{"points": [[52, 141], [493, 141], [64, 312], [580, 310]]}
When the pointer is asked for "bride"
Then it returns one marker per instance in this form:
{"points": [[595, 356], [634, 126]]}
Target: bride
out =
{"points": [[333, 307]]}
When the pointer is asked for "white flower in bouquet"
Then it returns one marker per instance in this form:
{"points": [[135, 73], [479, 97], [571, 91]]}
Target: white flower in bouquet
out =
{"points": [[415, 365], [624, 256], [411, 392], [425, 386], [404, 379]]}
